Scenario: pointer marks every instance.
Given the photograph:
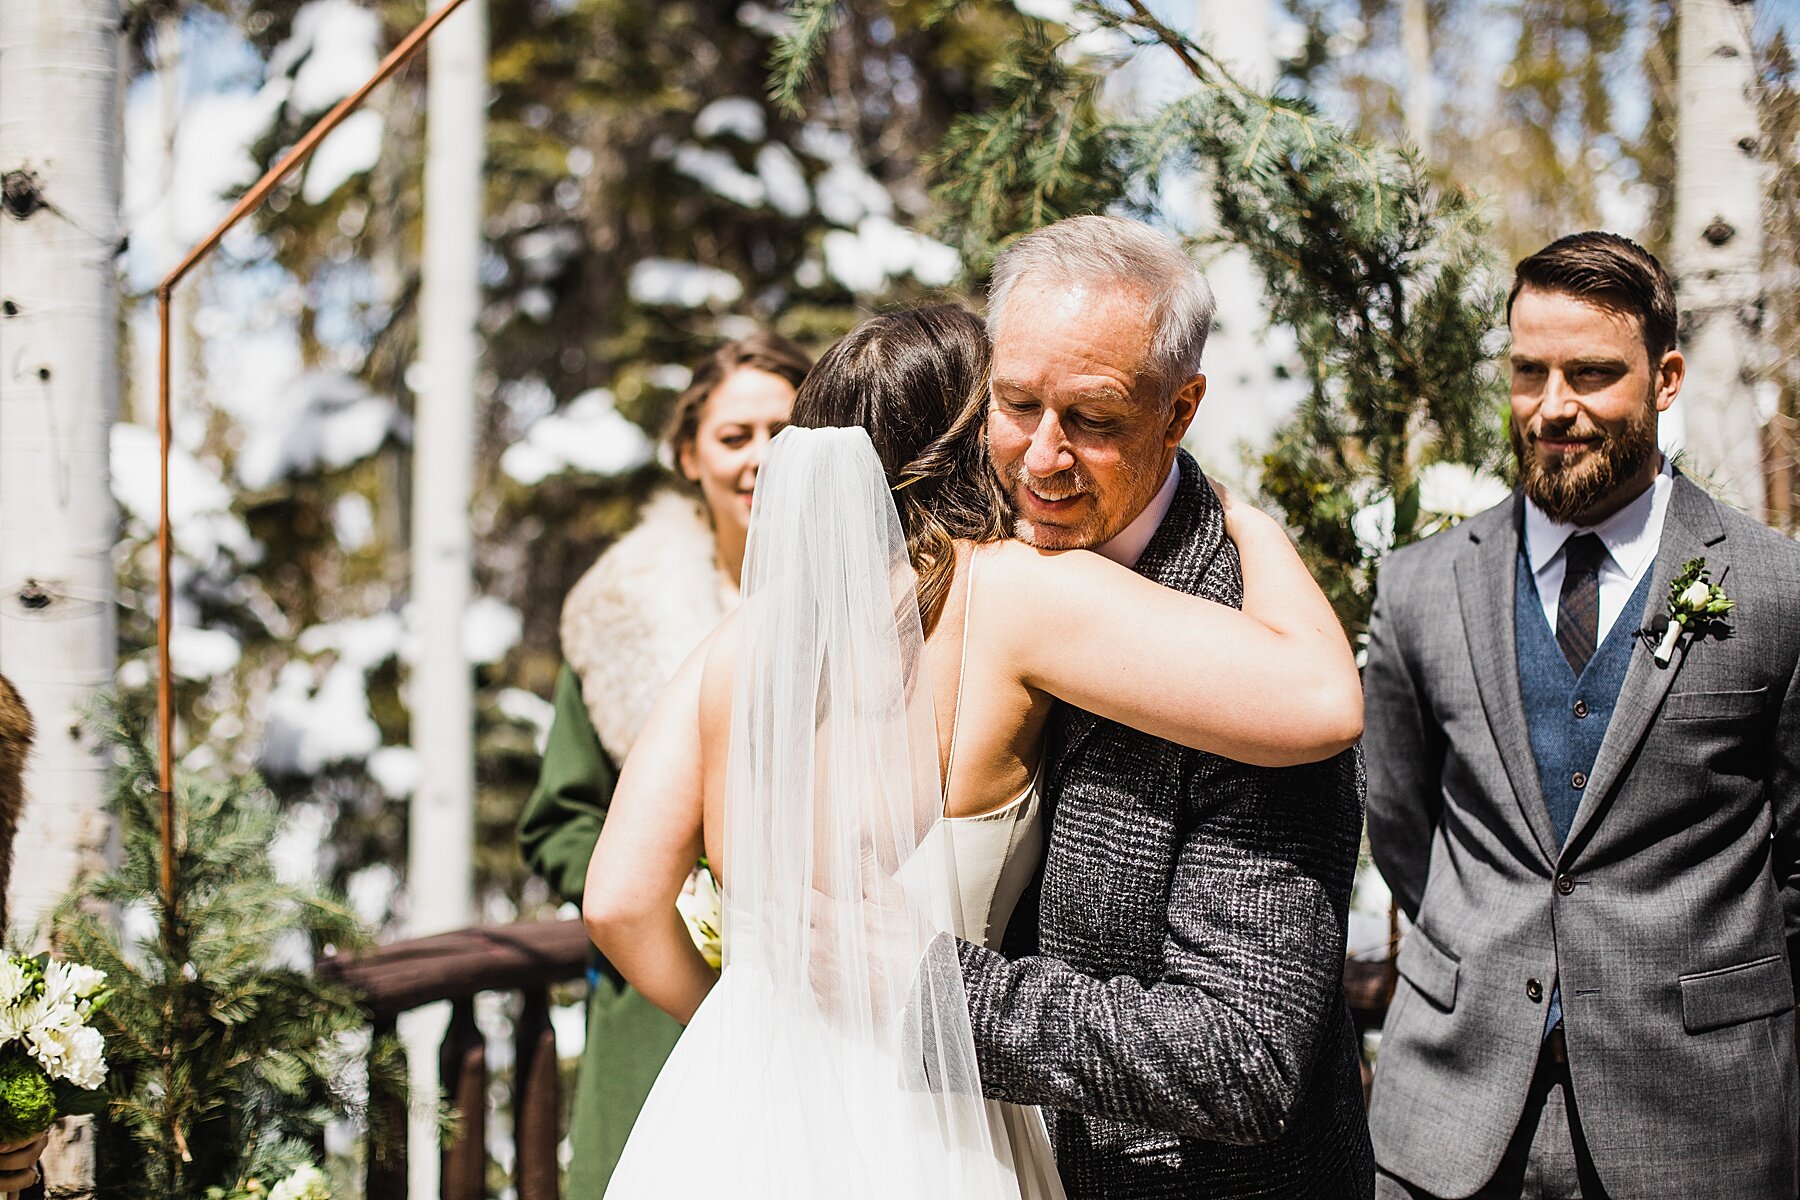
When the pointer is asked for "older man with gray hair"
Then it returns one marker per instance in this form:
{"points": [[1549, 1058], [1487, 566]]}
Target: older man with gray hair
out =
{"points": [[1171, 987]]}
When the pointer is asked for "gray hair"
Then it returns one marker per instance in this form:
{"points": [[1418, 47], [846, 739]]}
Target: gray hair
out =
{"points": [[1096, 248]]}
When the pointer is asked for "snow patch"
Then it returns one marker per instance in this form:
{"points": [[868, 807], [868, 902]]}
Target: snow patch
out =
{"points": [[332, 51], [199, 503], [490, 628], [395, 770], [718, 173], [664, 281], [323, 420], [589, 435], [351, 149], [879, 250], [847, 194], [202, 654], [527, 708], [783, 180], [734, 116]]}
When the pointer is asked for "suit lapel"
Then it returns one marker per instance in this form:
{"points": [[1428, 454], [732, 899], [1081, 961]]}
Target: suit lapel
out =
{"points": [[1690, 527], [1486, 578]]}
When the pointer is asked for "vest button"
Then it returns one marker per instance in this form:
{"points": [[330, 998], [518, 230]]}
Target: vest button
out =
{"points": [[1534, 991], [1581, 708], [1578, 780], [1564, 884]]}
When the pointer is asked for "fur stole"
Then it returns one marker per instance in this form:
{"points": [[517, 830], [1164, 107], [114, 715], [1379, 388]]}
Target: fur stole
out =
{"points": [[15, 741], [639, 611]]}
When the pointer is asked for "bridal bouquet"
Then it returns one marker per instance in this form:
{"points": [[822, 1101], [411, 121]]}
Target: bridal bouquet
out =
{"points": [[52, 1061], [698, 905]]}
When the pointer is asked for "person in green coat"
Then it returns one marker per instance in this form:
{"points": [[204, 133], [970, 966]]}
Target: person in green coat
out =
{"points": [[626, 626]]}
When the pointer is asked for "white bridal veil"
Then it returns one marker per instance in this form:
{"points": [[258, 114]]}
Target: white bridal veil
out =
{"points": [[834, 1058]]}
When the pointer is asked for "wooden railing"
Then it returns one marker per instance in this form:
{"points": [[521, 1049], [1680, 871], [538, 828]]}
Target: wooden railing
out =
{"points": [[529, 957]]}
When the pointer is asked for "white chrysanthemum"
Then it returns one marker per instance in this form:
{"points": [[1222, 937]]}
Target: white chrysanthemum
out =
{"points": [[70, 982], [16, 1018], [306, 1183], [1458, 490], [13, 981], [84, 1060]]}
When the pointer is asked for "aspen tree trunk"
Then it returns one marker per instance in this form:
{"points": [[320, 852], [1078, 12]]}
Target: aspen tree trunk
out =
{"points": [[1241, 409], [59, 389], [441, 837], [1717, 246], [1421, 89]]}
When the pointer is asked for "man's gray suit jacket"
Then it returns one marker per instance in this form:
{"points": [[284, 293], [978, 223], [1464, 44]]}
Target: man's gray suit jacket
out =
{"points": [[1668, 916], [1181, 1014]]}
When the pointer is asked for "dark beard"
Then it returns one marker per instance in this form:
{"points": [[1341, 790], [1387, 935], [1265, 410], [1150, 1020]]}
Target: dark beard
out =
{"points": [[1566, 492]]}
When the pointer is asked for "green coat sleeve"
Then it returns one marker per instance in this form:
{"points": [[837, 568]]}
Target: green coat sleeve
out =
{"points": [[562, 820]]}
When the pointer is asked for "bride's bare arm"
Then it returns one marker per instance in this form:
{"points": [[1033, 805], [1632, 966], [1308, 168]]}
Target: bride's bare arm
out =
{"points": [[1274, 685], [649, 844]]}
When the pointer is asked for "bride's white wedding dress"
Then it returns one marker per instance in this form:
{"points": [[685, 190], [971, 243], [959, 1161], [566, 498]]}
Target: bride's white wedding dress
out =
{"points": [[833, 1059]]}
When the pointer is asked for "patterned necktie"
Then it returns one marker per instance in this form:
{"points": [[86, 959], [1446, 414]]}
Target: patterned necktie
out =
{"points": [[1578, 606]]}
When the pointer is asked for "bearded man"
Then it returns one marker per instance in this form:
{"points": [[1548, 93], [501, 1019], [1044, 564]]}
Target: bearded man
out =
{"points": [[1594, 823]]}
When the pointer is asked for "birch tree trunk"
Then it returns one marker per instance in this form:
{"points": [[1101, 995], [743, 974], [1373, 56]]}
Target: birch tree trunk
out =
{"points": [[1245, 403], [1717, 246], [59, 389], [1421, 89], [441, 836]]}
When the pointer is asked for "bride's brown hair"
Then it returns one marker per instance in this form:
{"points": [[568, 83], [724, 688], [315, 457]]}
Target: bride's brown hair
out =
{"points": [[917, 382]]}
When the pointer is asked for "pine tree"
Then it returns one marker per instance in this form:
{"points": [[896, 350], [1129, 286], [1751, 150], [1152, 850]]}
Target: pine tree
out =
{"points": [[226, 1054], [1383, 275]]}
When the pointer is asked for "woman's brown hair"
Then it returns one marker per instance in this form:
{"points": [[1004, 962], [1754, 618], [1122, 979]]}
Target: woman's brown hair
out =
{"points": [[917, 382], [762, 350]]}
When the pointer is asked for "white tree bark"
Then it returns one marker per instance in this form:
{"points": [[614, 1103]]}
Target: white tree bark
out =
{"points": [[59, 389], [440, 858], [1421, 89], [1717, 246], [1245, 403]]}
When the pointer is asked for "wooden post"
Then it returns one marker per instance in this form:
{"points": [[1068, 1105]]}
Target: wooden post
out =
{"points": [[462, 1065], [537, 1101]]}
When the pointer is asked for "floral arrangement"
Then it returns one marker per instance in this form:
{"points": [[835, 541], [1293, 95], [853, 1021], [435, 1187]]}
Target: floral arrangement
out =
{"points": [[52, 1062], [699, 907], [305, 1182]]}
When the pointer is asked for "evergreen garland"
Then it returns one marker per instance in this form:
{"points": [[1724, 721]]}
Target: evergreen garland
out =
{"points": [[227, 1055], [1385, 277]]}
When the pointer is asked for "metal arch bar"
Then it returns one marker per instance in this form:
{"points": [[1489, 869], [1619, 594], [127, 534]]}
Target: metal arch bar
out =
{"points": [[251, 200]]}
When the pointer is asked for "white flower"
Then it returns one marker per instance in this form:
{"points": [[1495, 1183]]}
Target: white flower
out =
{"points": [[69, 982], [698, 905], [17, 1018], [84, 1061], [1457, 490], [1696, 595], [306, 1183], [1374, 527], [13, 981]]}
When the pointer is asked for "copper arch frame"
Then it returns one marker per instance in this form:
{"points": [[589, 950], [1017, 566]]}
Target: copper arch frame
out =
{"points": [[248, 203]]}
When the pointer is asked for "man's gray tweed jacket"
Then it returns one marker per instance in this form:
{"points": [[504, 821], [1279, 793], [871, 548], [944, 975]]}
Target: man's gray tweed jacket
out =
{"points": [[1172, 992]]}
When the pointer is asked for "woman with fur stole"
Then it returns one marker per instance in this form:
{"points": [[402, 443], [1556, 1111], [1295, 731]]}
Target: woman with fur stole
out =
{"points": [[627, 625]]}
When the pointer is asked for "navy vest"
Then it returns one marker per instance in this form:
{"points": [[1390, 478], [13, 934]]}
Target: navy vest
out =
{"points": [[1566, 716]]}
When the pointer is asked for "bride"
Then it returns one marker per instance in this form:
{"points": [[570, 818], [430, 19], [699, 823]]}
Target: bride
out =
{"points": [[857, 754]]}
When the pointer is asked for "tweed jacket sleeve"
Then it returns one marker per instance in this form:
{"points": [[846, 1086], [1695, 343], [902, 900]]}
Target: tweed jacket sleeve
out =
{"points": [[1405, 748], [1222, 1044]]}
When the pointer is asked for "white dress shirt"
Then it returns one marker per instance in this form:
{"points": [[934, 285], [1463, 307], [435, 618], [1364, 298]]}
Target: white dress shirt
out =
{"points": [[1630, 536], [1128, 545]]}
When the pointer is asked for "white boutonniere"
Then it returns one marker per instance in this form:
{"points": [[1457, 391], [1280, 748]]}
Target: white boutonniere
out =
{"points": [[699, 907], [1693, 602]]}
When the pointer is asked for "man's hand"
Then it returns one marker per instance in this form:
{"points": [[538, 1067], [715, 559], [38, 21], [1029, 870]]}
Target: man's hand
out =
{"points": [[18, 1163]]}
